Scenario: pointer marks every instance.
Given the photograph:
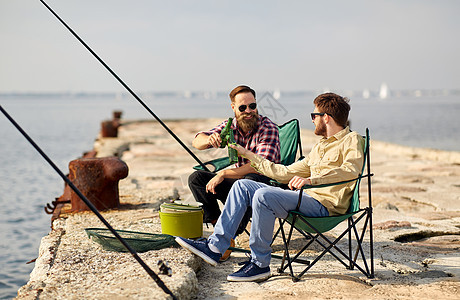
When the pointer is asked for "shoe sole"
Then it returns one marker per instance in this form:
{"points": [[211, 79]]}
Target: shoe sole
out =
{"points": [[256, 278], [196, 252]]}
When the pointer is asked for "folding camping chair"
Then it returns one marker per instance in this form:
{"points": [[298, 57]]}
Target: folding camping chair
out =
{"points": [[313, 228], [289, 136]]}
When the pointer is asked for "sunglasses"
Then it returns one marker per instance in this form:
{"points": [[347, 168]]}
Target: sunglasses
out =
{"points": [[243, 107], [313, 115]]}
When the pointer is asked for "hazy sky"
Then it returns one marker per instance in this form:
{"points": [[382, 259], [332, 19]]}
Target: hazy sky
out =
{"points": [[216, 45]]}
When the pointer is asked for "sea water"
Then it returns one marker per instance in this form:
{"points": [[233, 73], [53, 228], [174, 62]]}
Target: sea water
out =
{"points": [[65, 126]]}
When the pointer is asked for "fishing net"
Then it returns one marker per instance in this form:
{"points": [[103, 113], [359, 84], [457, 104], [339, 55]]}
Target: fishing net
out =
{"points": [[139, 241]]}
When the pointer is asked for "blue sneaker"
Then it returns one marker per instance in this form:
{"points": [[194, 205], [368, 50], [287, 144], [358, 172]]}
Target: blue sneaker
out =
{"points": [[201, 249], [250, 272]]}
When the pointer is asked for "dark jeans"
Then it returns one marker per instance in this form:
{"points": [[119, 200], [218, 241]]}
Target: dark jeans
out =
{"points": [[197, 182]]}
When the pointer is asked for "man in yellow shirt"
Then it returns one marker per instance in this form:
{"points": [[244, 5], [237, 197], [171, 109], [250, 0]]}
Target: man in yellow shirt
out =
{"points": [[338, 156]]}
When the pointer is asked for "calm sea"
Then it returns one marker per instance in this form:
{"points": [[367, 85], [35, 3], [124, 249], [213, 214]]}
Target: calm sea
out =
{"points": [[65, 126]]}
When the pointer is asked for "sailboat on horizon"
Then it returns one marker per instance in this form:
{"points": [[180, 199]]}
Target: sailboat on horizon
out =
{"points": [[384, 91], [276, 94], [366, 94]]}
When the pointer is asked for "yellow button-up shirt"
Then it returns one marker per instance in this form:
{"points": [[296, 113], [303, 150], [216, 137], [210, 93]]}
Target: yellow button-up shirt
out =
{"points": [[337, 158]]}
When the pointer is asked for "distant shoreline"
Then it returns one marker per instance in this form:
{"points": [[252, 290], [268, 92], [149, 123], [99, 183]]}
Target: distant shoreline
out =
{"points": [[365, 93]]}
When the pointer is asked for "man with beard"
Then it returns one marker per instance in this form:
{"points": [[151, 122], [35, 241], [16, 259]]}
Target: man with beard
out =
{"points": [[253, 132], [338, 156]]}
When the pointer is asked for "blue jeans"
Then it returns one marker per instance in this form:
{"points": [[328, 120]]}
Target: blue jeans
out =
{"points": [[268, 203]]}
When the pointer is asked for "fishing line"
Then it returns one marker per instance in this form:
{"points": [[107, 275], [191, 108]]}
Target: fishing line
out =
{"points": [[91, 206], [126, 87]]}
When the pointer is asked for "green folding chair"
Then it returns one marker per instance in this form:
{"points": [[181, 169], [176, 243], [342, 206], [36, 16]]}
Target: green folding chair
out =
{"points": [[290, 144], [313, 229]]}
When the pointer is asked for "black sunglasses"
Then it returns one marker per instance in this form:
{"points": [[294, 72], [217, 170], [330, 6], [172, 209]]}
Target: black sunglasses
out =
{"points": [[243, 107], [313, 115]]}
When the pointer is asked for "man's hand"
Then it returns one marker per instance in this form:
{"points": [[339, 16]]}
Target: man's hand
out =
{"points": [[241, 150], [214, 140], [215, 181], [297, 182]]}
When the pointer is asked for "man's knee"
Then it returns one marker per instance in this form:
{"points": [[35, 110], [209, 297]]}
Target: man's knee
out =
{"points": [[267, 197], [192, 178], [240, 191], [262, 196], [241, 184], [198, 177]]}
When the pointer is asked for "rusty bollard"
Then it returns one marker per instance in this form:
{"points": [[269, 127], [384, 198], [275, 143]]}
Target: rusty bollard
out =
{"points": [[117, 115], [97, 179], [110, 128]]}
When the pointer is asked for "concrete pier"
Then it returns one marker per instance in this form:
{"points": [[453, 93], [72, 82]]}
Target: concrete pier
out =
{"points": [[414, 191]]}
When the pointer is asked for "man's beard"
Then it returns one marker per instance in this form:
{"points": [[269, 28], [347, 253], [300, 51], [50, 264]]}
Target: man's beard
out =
{"points": [[248, 125], [320, 129]]}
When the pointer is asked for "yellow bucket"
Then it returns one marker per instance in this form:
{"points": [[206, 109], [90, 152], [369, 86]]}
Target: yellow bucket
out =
{"points": [[181, 220]]}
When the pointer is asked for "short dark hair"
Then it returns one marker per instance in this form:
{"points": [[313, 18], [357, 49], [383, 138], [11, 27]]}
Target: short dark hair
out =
{"points": [[241, 89], [334, 105]]}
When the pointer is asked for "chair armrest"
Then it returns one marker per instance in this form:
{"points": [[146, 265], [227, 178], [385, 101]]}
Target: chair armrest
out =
{"points": [[309, 186], [218, 164], [278, 184]]}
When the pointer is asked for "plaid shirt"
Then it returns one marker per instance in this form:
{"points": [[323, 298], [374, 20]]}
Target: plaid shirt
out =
{"points": [[263, 141]]}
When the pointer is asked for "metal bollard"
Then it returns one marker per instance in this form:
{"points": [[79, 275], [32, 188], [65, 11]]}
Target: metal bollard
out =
{"points": [[97, 179], [110, 128]]}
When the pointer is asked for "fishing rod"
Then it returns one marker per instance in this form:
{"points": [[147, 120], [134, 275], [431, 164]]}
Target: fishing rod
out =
{"points": [[126, 86], [91, 206]]}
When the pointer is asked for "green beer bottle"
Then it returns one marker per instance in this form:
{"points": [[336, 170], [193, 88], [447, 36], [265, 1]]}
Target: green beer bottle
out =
{"points": [[227, 137]]}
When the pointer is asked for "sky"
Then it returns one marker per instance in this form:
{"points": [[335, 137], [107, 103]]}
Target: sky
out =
{"points": [[216, 45]]}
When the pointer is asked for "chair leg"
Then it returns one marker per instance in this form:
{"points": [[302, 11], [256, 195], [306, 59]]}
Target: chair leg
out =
{"points": [[281, 224], [286, 249], [371, 242], [350, 250], [332, 245], [327, 248], [359, 241], [281, 229], [370, 211], [369, 274], [295, 258]]}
